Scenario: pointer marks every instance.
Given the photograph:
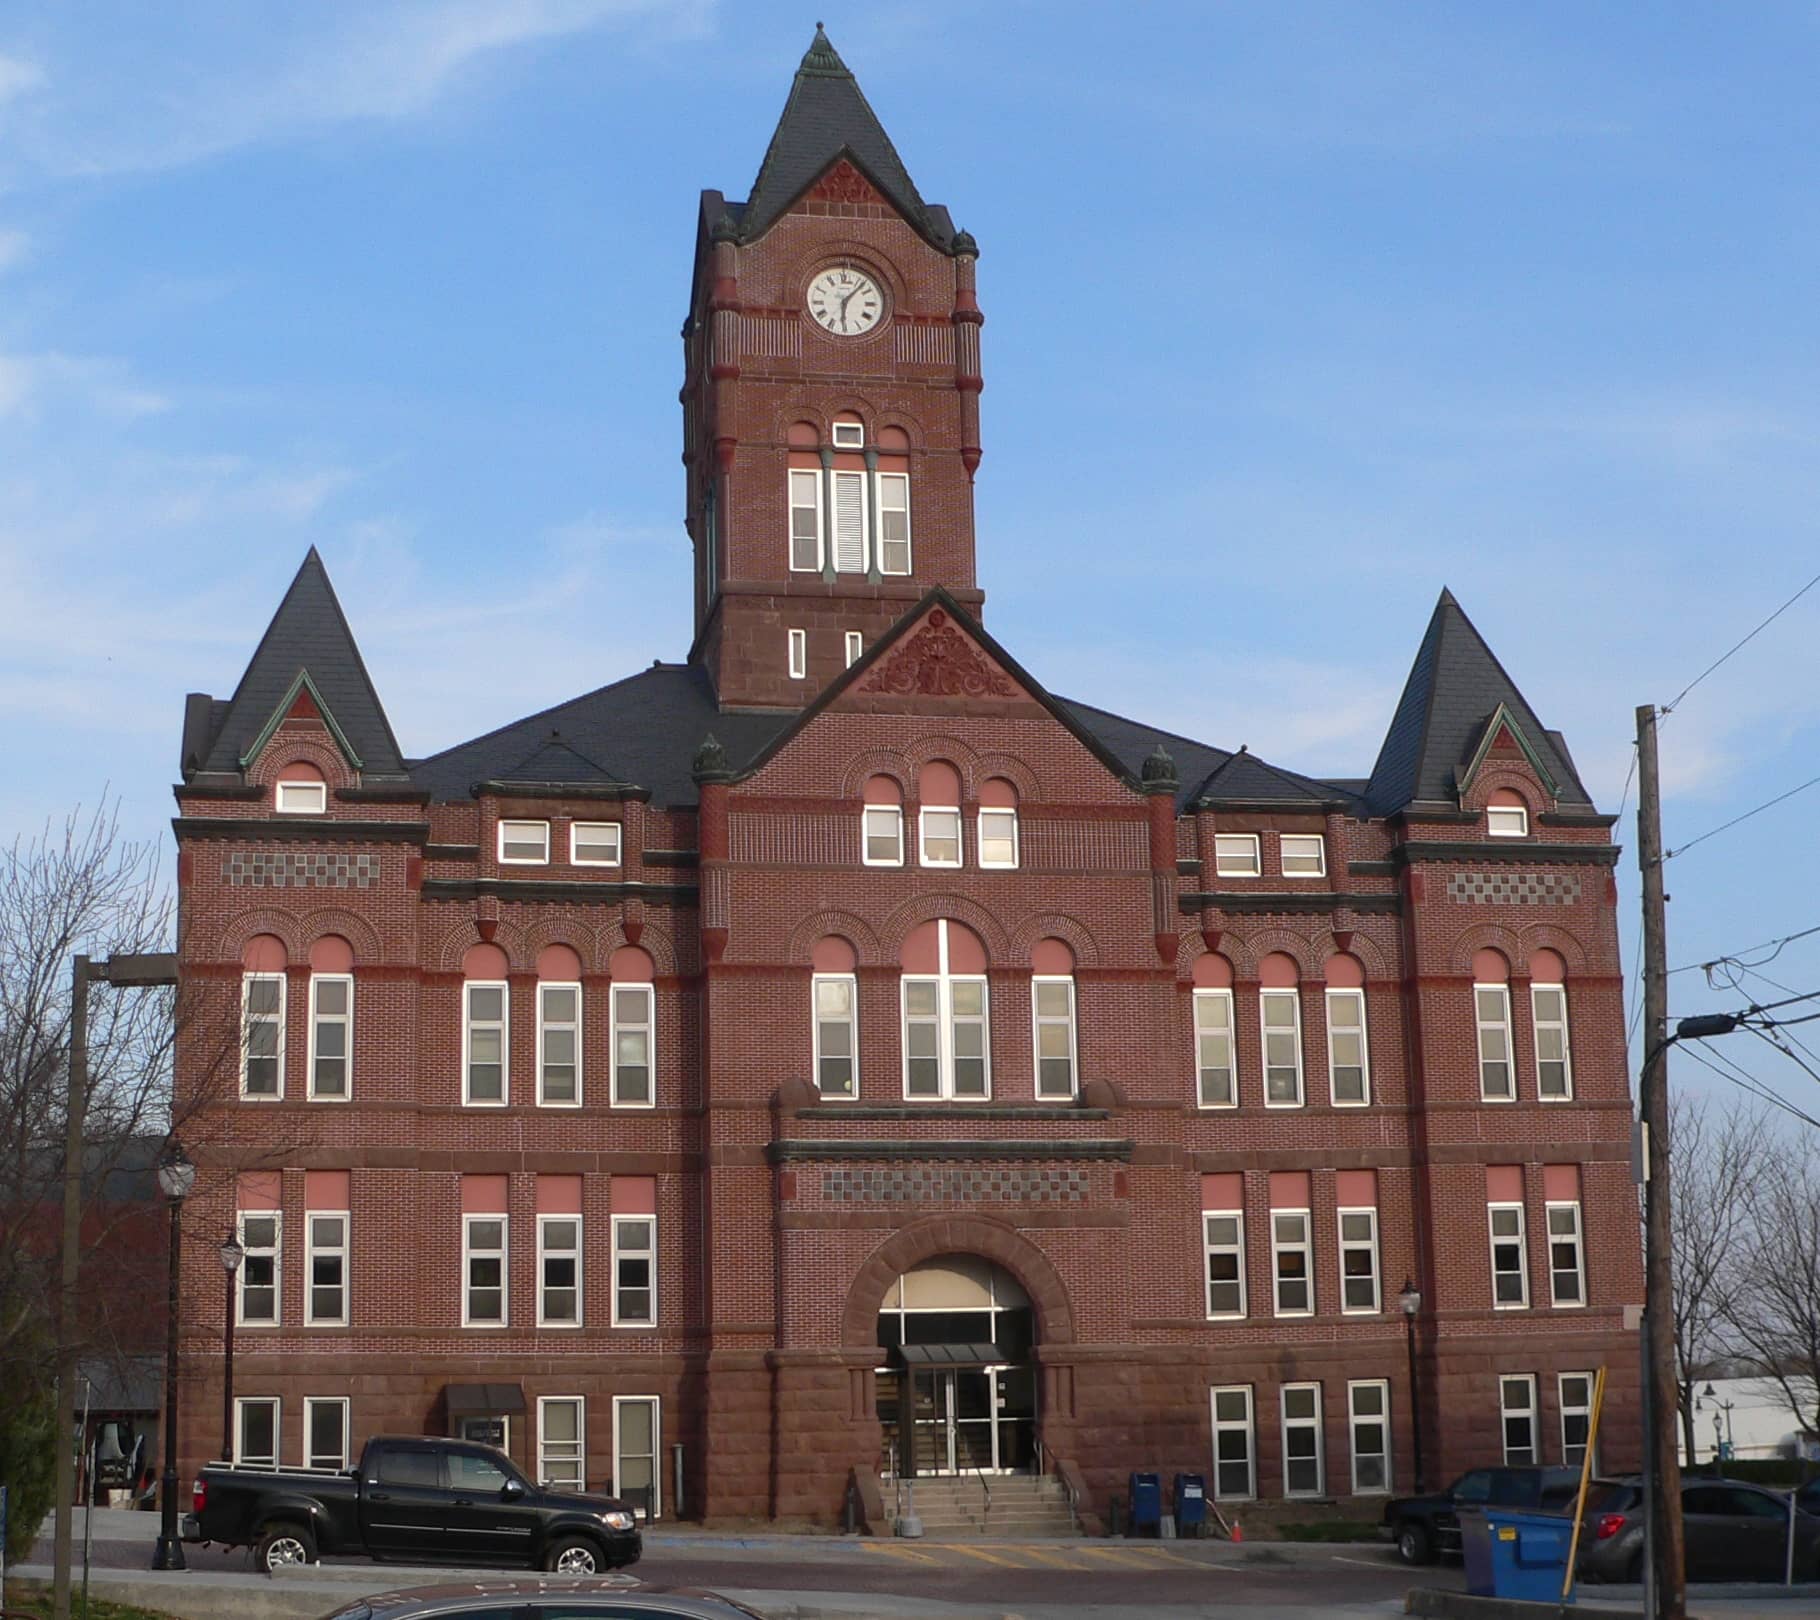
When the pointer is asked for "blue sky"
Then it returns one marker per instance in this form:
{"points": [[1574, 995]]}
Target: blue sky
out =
{"points": [[1294, 315]]}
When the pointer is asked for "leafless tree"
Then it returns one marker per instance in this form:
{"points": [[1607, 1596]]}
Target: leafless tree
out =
{"points": [[1772, 1308]]}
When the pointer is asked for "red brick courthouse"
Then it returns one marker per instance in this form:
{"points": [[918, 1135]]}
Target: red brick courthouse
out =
{"points": [[836, 1052]]}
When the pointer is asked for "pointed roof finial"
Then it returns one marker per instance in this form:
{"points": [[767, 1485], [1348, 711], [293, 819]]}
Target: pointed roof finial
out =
{"points": [[821, 56]]}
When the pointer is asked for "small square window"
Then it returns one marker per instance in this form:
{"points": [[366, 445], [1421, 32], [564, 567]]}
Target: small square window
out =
{"points": [[1507, 821], [302, 798], [849, 436], [1304, 855], [524, 843], [594, 843], [1236, 855]]}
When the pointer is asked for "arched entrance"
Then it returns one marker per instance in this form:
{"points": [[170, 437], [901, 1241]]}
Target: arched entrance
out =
{"points": [[957, 1388]]}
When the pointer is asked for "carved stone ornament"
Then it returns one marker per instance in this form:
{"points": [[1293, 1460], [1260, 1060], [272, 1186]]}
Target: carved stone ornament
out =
{"points": [[844, 184], [710, 763], [938, 661]]}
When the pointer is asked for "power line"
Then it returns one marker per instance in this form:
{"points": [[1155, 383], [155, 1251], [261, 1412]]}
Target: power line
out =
{"points": [[1752, 973], [1735, 956], [1745, 1082], [1669, 708], [1780, 1046], [1812, 781], [1629, 777]]}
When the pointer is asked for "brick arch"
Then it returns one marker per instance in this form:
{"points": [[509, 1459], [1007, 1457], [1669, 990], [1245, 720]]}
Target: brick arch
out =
{"points": [[356, 930], [879, 762], [1552, 937], [1520, 779], [981, 1235], [911, 424], [1054, 925], [855, 930], [1476, 938], [582, 938], [230, 942], [1372, 955], [924, 908], [1014, 771], [1298, 947], [313, 749], [952, 749], [1189, 948], [450, 943]]}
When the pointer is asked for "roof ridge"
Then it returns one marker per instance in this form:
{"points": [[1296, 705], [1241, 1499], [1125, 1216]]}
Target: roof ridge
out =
{"points": [[538, 714]]}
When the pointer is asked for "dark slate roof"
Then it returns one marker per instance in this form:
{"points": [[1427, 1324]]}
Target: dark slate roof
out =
{"points": [[1454, 688], [641, 731], [308, 635], [827, 117]]}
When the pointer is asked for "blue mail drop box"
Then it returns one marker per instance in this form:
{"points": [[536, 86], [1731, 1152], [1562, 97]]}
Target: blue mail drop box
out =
{"points": [[1146, 1500], [1190, 1502]]}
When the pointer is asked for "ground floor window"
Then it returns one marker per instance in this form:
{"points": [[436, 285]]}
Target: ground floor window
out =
{"points": [[637, 1446], [1576, 1417], [256, 1432], [325, 1432], [1368, 1415], [1234, 1454], [1517, 1401], [561, 1439], [1304, 1470]]}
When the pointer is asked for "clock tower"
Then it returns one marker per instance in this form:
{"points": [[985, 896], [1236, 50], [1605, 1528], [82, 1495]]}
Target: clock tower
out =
{"points": [[830, 401]]}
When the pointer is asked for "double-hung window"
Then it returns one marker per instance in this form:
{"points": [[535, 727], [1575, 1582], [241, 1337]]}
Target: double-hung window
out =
{"points": [[331, 1035], [894, 523], [559, 1271], [940, 835], [325, 1432], [256, 1431], [484, 1035], [998, 836], [836, 997], [262, 1035], [1517, 1408], [261, 1270], [1304, 855], [1509, 1257], [1304, 1462], [1566, 1255], [1052, 1003], [1359, 1288], [805, 520], [1218, 1076], [1223, 1235], [633, 1038], [883, 828], [524, 843], [1497, 1076], [595, 843], [1576, 1416], [1234, 1455], [483, 1271], [1292, 1262], [634, 1271], [561, 1442], [945, 1031], [1281, 1013], [1554, 1060], [1368, 1416], [1348, 1064], [325, 1258], [1507, 820], [559, 1045], [1236, 855]]}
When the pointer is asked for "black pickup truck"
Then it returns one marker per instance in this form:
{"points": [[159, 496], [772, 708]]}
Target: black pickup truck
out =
{"points": [[418, 1500], [1425, 1527]]}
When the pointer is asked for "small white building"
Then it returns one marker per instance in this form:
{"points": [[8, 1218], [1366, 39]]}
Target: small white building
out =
{"points": [[1751, 1417]]}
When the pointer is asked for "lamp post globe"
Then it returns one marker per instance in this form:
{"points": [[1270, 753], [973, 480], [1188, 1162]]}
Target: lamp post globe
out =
{"points": [[176, 1176], [1409, 1301]]}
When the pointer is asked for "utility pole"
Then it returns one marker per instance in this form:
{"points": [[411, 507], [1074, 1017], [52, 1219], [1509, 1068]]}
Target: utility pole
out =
{"points": [[1669, 1585], [74, 1109]]}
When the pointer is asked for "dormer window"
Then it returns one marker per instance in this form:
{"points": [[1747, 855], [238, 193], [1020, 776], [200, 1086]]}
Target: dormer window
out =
{"points": [[1506, 815], [1236, 855], [301, 791], [524, 843]]}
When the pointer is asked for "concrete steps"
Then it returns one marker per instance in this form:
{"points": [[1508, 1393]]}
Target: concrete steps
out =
{"points": [[1019, 1507]]}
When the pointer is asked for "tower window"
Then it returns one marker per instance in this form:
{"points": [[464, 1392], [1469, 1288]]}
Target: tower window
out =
{"points": [[893, 523], [850, 522], [799, 654], [856, 644], [849, 436], [805, 521]]}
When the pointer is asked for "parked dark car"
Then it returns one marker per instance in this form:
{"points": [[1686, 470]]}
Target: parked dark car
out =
{"points": [[544, 1600], [1425, 1528], [415, 1499], [1734, 1532]]}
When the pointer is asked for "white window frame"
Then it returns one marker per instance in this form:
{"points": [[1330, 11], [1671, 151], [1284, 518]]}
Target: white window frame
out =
{"points": [[469, 1023], [545, 1024], [896, 813], [944, 981], [315, 797], [861, 483], [923, 813], [799, 654], [279, 1018], [1499, 1025], [311, 1403], [1507, 1412], [820, 1022], [1009, 813], [1507, 820], [1367, 1245], [656, 1404], [617, 840], [620, 1251], [1038, 1019], [1521, 1239], [889, 483], [1581, 1409], [1561, 1024], [1354, 1418], [648, 1025], [546, 1454], [1342, 997], [1571, 1208], [1237, 855], [1301, 852], [810, 479], [855, 435], [311, 1250], [1316, 1425], [1248, 1427], [505, 837], [318, 1018], [1205, 999], [1279, 1248], [469, 1254], [1233, 1247], [545, 1253], [1278, 997], [276, 1250], [855, 646], [242, 1405]]}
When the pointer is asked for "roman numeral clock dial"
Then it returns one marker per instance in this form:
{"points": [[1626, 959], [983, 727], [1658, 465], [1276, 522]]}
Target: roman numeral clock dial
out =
{"points": [[845, 301]]}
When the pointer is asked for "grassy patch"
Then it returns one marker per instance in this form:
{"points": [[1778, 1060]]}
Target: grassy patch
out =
{"points": [[1330, 1530], [39, 1603]]}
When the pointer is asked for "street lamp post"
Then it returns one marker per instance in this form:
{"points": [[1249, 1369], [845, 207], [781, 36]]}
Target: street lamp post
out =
{"points": [[1410, 1301], [231, 1254], [176, 1175]]}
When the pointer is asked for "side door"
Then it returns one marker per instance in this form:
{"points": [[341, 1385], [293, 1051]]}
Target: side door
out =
{"points": [[493, 1515], [403, 1502], [1710, 1529], [1762, 1533]]}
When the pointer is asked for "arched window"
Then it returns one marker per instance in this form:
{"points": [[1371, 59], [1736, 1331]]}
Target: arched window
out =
{"points": [[1215, 1064], [1491, 1012], [331, 1020], [1052, 1009], [1348, 1059], [882, 823], [633, 1035], [1548, 1006], [1280, 1012], [938, 792], [486, 1028], [300, 790], [1506, 814], [998, 824], [559, 1044], [834, 992], [262, 1018], [946, 1045]]}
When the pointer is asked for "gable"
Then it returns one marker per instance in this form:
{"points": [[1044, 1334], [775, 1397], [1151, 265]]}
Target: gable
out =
{"points": [[936, 660]]}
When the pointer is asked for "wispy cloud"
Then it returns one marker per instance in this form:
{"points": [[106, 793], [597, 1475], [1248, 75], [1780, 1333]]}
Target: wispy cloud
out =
{"points": [[15, 247], [29, 382], [17, 77]]}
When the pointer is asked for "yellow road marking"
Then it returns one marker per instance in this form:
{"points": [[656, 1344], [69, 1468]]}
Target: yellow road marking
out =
{"points": [[1057, 1557], [981, 1552], [897, 1549]]}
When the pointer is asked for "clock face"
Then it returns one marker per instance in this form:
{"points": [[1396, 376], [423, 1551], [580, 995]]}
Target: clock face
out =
{"points": [[846, 301]]}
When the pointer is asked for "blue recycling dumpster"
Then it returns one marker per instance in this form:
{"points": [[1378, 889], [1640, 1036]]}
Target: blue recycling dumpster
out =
{"points": [[1146, 1501], [1515, 1555], [1190, 1504]]}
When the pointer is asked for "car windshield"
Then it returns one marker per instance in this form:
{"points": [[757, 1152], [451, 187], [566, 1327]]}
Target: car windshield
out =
{"points": [[1474, 1487]]}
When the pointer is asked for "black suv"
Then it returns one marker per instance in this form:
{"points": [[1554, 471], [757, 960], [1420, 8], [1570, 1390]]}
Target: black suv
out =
{"points": [[1426, 1527]]}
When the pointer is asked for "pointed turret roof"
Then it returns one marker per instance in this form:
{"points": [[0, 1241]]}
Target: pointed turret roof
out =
{"points": [[307, 644], [1456, 688], [828, 117]]}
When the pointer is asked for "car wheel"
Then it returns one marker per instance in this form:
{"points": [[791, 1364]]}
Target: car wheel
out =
{"points": [[1414, 1545], [283, 1546], [574, 1555]]}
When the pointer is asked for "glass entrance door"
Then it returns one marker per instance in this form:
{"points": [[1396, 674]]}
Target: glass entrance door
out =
{"points": [[968, 1419]]}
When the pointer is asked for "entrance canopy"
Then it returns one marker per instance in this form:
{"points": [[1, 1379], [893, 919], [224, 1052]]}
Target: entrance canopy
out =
{"points": [[950, 1355], [484, 1400]]}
